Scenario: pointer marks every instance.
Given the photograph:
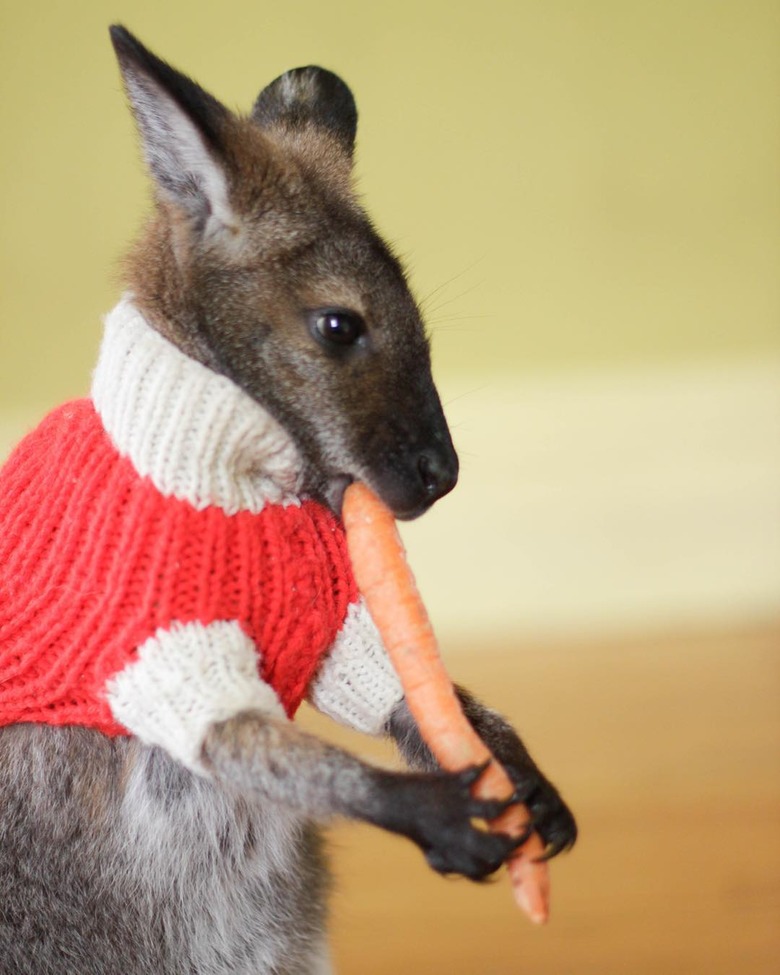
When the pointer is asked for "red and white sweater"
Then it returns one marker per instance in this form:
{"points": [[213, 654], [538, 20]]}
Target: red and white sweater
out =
{"points": [[158, 570]]}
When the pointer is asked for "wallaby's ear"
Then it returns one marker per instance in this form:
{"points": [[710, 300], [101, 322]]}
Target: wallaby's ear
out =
{"points": [[181, 128], [309, 98]]}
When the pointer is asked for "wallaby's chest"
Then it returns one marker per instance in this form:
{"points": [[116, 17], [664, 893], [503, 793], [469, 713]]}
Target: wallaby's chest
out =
{"points": [[133, 864]]}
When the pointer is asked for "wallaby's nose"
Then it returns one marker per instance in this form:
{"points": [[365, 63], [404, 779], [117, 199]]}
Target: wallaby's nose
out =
{"points": [[423, 476], [438, 471]]}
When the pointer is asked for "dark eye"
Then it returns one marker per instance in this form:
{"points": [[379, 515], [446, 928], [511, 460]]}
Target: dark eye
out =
{"points": [[337, 326]]}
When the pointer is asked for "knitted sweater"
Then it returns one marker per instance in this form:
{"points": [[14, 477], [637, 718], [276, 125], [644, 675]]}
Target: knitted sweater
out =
{"points": [[158, 571]]}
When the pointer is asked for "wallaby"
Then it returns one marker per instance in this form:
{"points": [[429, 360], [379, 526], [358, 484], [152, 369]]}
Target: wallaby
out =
{"points": [[174, 578]]}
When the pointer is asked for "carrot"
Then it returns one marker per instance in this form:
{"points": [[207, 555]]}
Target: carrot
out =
{"points": [[388, 586]]}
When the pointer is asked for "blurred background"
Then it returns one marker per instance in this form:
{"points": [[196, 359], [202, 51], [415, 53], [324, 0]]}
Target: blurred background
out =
{"points": [[587, 197]]}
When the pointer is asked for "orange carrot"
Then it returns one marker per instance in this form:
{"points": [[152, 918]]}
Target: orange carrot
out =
{"points": [[388, 586]]}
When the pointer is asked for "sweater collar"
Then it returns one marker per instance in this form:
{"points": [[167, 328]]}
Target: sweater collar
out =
{"points": [[194, 433]]}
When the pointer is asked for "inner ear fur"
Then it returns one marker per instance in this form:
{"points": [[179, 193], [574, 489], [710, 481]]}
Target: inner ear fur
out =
{"points": [[184, 132]]}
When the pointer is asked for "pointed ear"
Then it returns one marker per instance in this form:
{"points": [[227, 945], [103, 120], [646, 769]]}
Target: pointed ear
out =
{"points": [[181, 128], [309, 98]]}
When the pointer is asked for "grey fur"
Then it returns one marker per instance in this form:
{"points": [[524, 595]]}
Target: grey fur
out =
{"points": [[114, 860]]}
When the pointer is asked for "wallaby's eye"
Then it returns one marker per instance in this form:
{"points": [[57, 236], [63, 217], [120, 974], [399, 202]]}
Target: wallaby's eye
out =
{"points": [[337, 326]]}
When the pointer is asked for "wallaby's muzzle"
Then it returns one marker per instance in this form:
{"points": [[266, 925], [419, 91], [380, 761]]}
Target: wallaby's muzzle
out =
{"points": [[411, 475], [409, 491]]}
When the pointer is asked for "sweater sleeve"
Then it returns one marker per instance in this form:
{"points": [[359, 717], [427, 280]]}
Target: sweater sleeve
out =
{"points": [[183, 680], [356, 684]]}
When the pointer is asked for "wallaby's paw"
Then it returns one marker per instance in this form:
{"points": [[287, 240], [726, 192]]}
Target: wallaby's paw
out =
{"points": [[551, 817], [444, 818]]}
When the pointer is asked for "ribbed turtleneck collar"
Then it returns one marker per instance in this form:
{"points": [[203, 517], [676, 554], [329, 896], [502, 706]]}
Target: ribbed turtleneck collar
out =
{"points": [[193, 432]]}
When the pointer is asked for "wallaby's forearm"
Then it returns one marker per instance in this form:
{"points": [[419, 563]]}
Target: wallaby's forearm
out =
{"points": [[494, 730], [260, 756], [266, 757]]}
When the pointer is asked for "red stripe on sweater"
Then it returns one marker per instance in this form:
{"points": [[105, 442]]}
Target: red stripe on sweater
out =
{"points": [[93, 560]]}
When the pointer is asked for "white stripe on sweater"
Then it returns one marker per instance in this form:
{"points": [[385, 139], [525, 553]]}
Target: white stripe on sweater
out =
{"points": [[193, 432], [356, 684], [186, 679]]}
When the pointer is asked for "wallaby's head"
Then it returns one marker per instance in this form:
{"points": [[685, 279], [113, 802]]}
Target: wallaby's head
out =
{"points": [[260, 263]]}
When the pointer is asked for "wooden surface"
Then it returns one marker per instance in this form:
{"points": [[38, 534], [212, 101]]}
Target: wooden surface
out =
{"points": [[668, 749]]}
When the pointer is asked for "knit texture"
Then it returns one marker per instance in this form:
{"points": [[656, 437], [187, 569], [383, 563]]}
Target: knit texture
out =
{"points": [[94, 560], [194, 433], [185, 679], [356, 684], [158, 570]]}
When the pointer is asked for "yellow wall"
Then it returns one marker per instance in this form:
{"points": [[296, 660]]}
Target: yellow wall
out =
{"points": [[574, 182]]}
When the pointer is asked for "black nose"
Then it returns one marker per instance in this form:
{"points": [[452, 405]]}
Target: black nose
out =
{"points": [[438, 470], [410, 483]]}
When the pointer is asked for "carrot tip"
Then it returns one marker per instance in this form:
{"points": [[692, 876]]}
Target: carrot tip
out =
{"points": [[537, 912]]}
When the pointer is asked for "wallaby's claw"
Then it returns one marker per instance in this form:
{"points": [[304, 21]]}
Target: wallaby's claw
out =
{"points": [[555, 847], [472, 773], [550, 816]]}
